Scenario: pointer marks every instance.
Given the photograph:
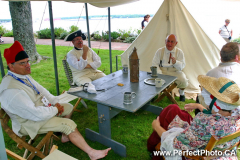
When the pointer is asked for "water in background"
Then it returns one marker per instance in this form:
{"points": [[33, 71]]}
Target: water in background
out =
{"points": [[94, 24]]}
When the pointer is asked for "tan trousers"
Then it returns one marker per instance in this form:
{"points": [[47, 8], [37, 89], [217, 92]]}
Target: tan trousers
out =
{"points": [[89, 78], [181, 81], [226, 39], [57, 123]]}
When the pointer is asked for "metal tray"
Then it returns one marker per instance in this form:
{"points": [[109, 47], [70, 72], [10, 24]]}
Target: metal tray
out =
{"points": [[151, 81]]}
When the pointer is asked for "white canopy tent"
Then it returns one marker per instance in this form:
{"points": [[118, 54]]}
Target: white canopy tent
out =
{"points": [[97, 3], [201, 50]]}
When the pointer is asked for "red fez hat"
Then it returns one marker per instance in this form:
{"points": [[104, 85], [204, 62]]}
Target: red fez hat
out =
{"points": [[15, 53]]}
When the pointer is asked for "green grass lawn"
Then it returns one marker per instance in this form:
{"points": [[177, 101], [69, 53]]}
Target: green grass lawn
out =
{"points": [[130, 129]]}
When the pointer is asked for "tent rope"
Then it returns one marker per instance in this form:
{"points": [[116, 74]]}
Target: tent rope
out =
{"points": [[42, 20], [102, 31]]}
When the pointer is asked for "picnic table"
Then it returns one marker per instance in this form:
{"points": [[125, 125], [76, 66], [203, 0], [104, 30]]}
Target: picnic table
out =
{"points": [[110, 103]]}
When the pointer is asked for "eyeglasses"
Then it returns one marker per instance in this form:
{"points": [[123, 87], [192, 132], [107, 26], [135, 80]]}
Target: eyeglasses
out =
{"points": [[227, 22], [22, 63]]}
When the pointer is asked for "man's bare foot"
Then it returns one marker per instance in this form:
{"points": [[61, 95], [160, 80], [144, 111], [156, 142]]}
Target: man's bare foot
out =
{"points": [[97, 154], [64, 138]]}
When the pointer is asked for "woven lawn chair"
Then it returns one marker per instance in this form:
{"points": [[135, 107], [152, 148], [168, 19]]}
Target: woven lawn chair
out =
{"points": [[69, 76], [214, 141], [45, 143]]}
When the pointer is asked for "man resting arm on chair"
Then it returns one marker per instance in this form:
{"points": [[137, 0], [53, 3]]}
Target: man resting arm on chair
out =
{"points": [[32, 109], [82, 60]]}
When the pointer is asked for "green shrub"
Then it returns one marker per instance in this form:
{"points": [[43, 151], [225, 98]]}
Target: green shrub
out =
{"points": [[237, 40], [124, 34], [58, 31], [8, 34], [105, 36], [129, 39], [2, 30], [63, 35], [115, 35], [137, 31], [97, 36], [44, 33], [73, 28]]}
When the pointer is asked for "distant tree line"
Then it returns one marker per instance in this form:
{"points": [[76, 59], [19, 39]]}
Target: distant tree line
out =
{"points": [[5, 20], [112, 16]]}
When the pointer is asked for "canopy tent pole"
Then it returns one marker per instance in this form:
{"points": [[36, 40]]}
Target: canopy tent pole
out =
{"points": [[89, 43], [109, 34], [1, 66], [3, 154], [53, 46]]}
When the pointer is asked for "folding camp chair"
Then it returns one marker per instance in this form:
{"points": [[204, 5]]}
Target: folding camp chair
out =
{"points": [[53, 154], [69, 76], [56, 154], [214, 141], [21, 141], [166, 92]]}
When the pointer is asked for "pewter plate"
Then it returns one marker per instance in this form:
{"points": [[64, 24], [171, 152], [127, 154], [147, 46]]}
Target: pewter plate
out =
{"points": [[151, 81]]}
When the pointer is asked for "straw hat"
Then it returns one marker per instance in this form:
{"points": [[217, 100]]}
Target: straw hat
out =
{"points": [[230, 95]]}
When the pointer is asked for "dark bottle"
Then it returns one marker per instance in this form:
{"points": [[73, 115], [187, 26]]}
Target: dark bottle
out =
{"points": [[134, 66]]}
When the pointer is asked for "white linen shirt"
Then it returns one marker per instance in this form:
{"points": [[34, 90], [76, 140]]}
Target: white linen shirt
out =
{"points": [[180, 59], [17, 102], [81, 64], [230, 70]]}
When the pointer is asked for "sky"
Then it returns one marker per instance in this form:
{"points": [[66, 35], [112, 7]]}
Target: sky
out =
{"points": [[67, 9]]}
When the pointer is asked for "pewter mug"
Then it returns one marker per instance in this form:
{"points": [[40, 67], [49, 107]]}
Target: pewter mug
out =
{"points": [[158, 82], [125, 68], [128, 96], [154, 71]]}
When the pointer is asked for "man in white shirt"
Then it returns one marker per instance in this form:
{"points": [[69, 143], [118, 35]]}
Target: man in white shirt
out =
{"points": [[229, 66], [82, 60], [225, 31], [170, 61], [32, 109]]}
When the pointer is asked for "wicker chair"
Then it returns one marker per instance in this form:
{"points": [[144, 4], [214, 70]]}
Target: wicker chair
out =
{"points": [[69, 76]]}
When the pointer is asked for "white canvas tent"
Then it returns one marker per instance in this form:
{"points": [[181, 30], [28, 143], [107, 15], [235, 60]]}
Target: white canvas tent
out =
{"points": [[201, 50], [97, 3]]}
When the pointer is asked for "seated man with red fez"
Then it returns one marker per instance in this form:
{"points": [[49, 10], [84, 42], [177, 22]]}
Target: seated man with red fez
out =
{"points": [[82, 60], [170, 60], [32, 109]]}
